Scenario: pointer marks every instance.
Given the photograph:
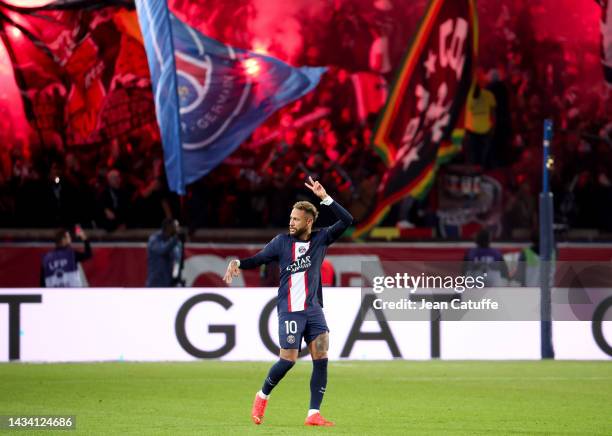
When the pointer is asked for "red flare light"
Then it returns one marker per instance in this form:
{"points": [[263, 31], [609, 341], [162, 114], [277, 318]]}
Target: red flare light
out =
{"points": [[251, 66], [15, 32], [28, 3]]}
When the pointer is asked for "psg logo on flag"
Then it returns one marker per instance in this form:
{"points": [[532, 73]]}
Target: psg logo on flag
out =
{"points": [[210, 94], [193, 80]]}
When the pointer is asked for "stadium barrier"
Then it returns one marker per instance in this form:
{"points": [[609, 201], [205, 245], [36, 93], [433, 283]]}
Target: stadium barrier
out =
{"points": [[185, 324], [125, 264]]}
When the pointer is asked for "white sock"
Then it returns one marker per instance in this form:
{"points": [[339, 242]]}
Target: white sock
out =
{"points": [[262, 395], [312, 412]]}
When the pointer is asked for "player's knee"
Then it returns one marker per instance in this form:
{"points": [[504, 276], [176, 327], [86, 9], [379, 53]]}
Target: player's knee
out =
{"points": [[290, 355], [291, 359], [319, 356]]}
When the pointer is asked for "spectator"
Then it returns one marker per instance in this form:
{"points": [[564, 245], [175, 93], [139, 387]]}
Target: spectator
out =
{"points": [[84, 193], [151, 199], [503, 120], [520, 209], [485, 261], [528, 271], [380, 61], [59, 268], [479, 124], [114, 201], [164, 255], [60, 199]]}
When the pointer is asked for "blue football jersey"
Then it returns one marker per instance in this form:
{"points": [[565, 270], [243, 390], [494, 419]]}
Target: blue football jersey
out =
{"points": [[300, 263]]}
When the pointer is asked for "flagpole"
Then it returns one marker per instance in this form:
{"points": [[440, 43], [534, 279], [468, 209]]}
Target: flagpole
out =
{"points": [[546, 248]]}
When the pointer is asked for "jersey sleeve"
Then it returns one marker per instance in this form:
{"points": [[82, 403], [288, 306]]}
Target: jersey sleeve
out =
{"points": [[345, 219], [269, 253], [81, 256], [160, 246]]}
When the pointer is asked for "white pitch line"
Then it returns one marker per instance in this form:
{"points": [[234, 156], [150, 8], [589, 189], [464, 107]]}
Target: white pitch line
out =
{"points": [[498, 378]]}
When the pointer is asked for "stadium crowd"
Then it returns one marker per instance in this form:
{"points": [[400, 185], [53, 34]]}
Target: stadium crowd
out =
{"points": [[327, 133]]}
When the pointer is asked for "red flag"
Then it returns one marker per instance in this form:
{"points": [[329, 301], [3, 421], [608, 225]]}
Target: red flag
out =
{"points": [[78, 70], [606, 39]]}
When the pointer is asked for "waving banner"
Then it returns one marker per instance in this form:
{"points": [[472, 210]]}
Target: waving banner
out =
{"points": [[415, 129], [210, 96], [81, 70], [606, 39]]}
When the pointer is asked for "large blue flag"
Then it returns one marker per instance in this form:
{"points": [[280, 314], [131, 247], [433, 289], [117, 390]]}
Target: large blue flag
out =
{"points": [[209, 96]]}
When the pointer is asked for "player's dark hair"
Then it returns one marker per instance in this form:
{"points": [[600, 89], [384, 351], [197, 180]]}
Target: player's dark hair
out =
{"points": [[307, 207], [483, 239], [59, 236], [167, 224]]}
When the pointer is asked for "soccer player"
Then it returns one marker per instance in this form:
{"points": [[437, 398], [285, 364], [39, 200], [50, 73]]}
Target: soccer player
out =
{"points": [[300, 314]]}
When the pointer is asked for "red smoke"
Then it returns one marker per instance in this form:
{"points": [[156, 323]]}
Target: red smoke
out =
{"points": [[276, 25], [16, 126]]}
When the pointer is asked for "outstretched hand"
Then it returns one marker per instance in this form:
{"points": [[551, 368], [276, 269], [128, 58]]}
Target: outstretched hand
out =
{"points": [[316, 188], [232, 271]]}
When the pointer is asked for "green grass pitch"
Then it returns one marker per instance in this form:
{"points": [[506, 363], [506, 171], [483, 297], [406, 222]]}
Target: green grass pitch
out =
{"points": [[398, 397]]}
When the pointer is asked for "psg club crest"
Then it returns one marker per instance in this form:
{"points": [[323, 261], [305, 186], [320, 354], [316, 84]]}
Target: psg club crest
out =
{"points": [[211, 94], [291, 339]]}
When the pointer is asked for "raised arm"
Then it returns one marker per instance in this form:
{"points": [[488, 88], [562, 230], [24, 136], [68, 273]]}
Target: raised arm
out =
{"points": [[345, 219], [87, 254]]}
